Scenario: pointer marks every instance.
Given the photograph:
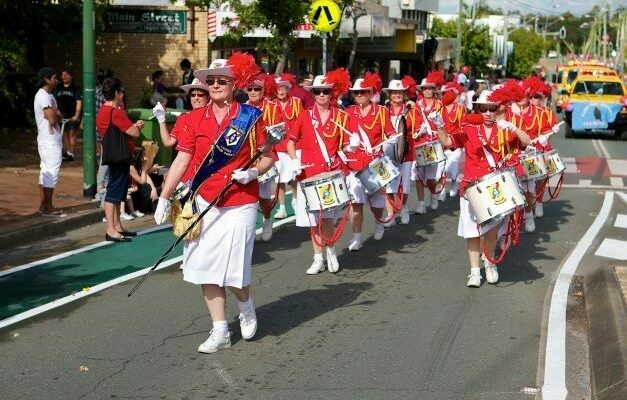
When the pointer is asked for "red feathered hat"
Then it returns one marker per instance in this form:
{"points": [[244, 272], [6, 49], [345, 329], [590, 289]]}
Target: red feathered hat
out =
{"points": [[433, 79], [341, 81], [532, 86], [371, 80], [267, 82], [411, 84], [286, 79], [244, 68]]}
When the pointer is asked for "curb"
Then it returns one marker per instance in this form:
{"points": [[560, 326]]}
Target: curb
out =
{"points": [[78, 217], [607, 334]]}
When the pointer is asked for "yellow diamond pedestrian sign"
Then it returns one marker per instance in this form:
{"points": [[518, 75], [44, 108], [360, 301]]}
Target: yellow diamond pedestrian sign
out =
{"points": [[324, 15]]}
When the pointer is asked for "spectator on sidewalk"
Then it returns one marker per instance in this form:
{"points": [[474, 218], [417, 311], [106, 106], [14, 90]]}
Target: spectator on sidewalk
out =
{"points": [[141, 185], [103, 170], [187, 79], [49, 140], [70, 100], [158, 89], [111, 120]]}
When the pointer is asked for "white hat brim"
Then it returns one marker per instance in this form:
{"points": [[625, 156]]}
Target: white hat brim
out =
{"points": [[202, 74], [189, 87], [319, 87]]}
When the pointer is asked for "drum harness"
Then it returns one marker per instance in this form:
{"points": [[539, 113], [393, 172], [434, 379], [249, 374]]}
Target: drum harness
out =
{"points": [[442, 177]]}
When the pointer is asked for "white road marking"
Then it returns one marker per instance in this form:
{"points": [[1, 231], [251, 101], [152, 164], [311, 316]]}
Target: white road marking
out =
{"points": [[554, 387], [612, 248], [578, 186], [95, 289], [602, 149], [617, 167], [622, 195], [571, 165], [585, 182], [597, 149], [621, 221], [616, 181]]}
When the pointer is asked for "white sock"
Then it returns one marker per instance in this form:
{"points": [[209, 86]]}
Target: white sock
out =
{"points": [[331, 250], [220, 326], [528, 214], [357, 236], [246, 307], [421, 202], [318, 257], [404, 209], [475, 271]]}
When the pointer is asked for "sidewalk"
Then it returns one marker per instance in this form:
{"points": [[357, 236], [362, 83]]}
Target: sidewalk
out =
{"points": [[20, 221]]}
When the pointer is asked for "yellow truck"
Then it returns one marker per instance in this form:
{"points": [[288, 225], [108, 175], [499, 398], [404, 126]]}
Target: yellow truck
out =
{"points": [[567, 74]]}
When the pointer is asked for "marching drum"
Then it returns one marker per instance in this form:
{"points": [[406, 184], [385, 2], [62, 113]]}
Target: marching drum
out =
{"points": [[380, 172], [494, 196], [533, 166], [429, 153], [553, 163], [396, 150], [270, 174], [325, 191]]}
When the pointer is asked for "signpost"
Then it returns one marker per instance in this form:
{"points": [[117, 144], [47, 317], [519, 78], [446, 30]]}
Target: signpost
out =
{"points": [[324, 16], [145, 21]]}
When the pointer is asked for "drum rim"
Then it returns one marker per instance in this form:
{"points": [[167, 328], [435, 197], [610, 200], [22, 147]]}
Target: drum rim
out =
{"points": [[429, 142], [498, 216], [309, 181], [308, 208], [488, 176]]}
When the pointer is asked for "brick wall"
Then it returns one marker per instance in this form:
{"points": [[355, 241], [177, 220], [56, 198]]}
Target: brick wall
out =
{"points": [[133, 57]]}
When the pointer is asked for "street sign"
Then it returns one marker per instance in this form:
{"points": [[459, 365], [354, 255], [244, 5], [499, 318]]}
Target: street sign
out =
{"points": [[324, 15]]}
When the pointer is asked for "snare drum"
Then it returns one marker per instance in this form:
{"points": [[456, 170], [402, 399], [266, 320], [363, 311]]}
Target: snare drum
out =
{"points": [[553, 163], [533, 166], [325, 191], [270, 174], [429, 153], [494, 196], [380, 172]]}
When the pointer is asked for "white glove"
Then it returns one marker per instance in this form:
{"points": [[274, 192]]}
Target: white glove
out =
{"points": [[162, 213], [543, 140], [295, 166], [393, 139], [244, 177], [354, 141], [436, 118], [158, 112], [423, 130], [505, 125], [555, 128]]}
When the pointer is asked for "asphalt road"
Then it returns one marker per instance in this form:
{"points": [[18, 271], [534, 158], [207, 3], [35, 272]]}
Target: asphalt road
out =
{"points": [[397, 322]]}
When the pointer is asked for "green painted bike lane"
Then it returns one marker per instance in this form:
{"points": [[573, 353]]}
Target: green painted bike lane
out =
{"points": [[29, 288]]}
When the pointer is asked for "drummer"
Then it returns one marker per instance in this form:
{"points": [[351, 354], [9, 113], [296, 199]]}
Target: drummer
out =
{"points": [[259, 89], [397, 91], [427, 133], [485, 144], [294, 114], [527, 117], [370, 125], [453, 113], [321, 140], [548, 125]]}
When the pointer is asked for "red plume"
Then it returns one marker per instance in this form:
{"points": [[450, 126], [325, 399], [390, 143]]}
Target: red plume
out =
{"points": [[410, 83], [269, 86], [373, 81], [448, 97], [533, 85], [473, 119], [341, 81], [436, 78], [244, 68], [287, 77], [454, 86]]}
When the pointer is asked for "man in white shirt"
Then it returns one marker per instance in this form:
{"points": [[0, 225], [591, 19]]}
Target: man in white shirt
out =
{"points": [[49, 140]]}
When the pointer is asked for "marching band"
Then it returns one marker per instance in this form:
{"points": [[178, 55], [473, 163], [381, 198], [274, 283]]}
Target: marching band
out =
{"points": [[497, 157]]}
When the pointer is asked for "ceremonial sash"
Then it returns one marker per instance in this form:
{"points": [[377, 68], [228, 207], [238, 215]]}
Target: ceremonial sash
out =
{"points": [[226, 146]]}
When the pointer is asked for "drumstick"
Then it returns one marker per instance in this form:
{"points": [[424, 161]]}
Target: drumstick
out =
{"points": [[345, 130], [306, 166], [549, 133], [387, 140]]}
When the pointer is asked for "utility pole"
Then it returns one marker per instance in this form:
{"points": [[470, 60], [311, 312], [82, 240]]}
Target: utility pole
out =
{"points": [[605, 38], [505, 33], [458, 53], [89, 103]]}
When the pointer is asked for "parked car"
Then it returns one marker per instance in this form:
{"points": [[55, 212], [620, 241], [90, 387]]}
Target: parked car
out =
{"points": [[552, 54]]}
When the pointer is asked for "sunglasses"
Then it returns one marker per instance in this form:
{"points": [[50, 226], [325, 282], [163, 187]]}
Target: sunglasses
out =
{"points": [[538, 96], [492, 109], [221, 82], [321, 91], [359, 92], [197, 94], [254, 89]]}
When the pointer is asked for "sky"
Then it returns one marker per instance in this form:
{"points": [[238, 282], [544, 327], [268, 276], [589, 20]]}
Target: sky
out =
{"points": [[577, 7]]}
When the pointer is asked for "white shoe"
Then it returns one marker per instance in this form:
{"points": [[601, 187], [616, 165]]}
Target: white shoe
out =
{"points": [[248, 324], [421, 209], [378, 231], [126, 217], [332, 263], [539, 209], [217, 340], [434, 202], [390, 223], [316, 266], [404, 216], [491, 273], [281, 213], [137, 214], [266, 230], [354, 245], [474, 280], [454, 189], [442, 195], [530, 224]]}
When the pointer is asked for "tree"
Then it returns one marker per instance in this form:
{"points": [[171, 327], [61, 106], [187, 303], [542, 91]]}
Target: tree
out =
{"points": [[528, 48], [443, 29], [476, 46]]}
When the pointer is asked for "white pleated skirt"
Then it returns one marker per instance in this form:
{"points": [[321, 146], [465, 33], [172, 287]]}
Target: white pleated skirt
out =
{"points": [[222, 254]]}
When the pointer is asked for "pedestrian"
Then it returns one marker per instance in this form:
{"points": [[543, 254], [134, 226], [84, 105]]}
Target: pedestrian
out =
{"points": [[158, 89], [70, 100], [111, 120], [103, 170], [49, 140], [300, 92], [186, 79], [221, 255]]}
